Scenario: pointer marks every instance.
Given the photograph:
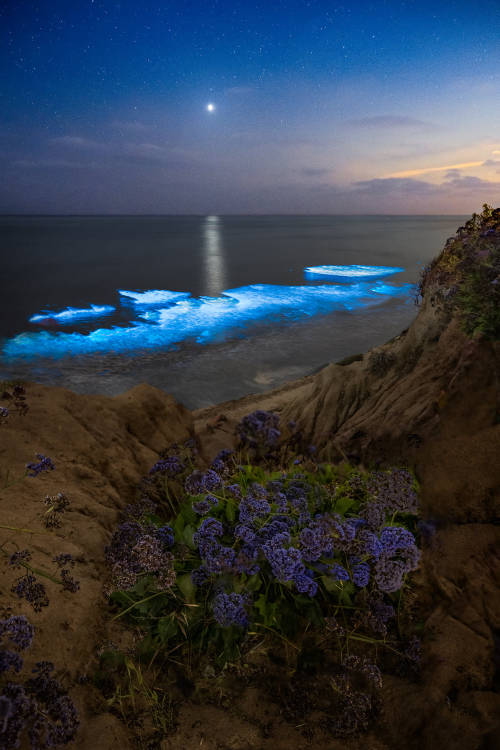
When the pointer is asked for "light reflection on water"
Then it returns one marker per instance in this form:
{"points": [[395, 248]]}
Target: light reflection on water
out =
{"points": [[213, 256]]}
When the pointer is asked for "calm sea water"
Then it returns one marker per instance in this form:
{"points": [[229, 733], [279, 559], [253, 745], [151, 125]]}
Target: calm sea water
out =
{"points": [[276, 325]]}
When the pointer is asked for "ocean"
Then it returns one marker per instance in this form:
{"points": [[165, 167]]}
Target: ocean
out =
{"points": [[207, 308]]}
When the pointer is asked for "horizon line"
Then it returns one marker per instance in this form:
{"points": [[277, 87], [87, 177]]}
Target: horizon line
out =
{"points": [[204, 215]]}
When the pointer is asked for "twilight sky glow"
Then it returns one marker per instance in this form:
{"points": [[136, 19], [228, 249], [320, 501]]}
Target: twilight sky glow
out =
{"points": [[316, 107]]}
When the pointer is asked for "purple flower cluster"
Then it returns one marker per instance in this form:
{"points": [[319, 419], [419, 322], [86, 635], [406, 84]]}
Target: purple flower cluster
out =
{"points": [[206, 536], [390, 492], [316, 539], [40, 707], [259, 430], [339, 573], [18, 630], [202, 507], [199, 482], [29, 588], [44, 464], [229, 609], [138, 549], [399, 556], [57, 505], [63, 561], [252, 507], [170, 465], [220, 464]]}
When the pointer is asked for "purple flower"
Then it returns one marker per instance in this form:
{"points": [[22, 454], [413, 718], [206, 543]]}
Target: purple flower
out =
{"points": [[245, 533], [219, 464], [396, 538], [246, 560], [45, 464], [205, 537], [389, 574], [18, 630], [199, 482], [369, 544], [285, 563], [316, 539], [305, 583], [219, 559], [361, 574], [202, 507], [165, 534], [29, 588], [64, 559], [339, 573], [68, 582], [10, 660], [18, 559], [199, 576], [252, 508], [234, 490], [259, 429], [171, 465], [229, 609]]}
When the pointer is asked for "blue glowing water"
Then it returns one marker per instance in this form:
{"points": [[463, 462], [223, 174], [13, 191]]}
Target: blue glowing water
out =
{"points": [[203, 319], [346, 273], [206, 308], [70, 314]]}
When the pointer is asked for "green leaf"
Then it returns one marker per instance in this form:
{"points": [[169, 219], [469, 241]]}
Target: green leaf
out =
{"points": [[187, 588], [187, 536], [167, 629], [347, 591], [178, 526], [330, 584], [230, 511], [266, 609], [254, 583], [342, 504]]}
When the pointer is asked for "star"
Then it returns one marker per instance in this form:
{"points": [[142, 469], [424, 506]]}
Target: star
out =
{"points": [[210, 107]]}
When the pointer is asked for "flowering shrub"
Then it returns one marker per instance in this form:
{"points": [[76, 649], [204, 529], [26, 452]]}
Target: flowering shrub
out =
{"points": [[38, 708], [254, 551]]}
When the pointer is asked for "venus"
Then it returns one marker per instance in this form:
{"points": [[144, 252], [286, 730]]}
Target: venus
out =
{"points": [[210, 107]]}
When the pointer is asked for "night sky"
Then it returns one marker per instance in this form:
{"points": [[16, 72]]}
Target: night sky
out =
{"points": [[318, 107]]}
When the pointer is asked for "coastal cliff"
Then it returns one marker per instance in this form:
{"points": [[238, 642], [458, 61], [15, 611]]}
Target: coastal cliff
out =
{"points": [[428, 399]]}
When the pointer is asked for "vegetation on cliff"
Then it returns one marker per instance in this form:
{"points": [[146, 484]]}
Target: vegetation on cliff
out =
{"points": [[269, 548], [465, 276]]}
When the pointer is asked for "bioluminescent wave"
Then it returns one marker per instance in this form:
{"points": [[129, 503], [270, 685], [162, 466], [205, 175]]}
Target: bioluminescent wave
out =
{"points": [[346, 273], [70, 314], [203, 319], [152, 297]]}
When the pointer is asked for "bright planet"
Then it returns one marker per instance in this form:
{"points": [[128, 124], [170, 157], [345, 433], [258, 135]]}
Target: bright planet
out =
{"points": [[210, 107]]}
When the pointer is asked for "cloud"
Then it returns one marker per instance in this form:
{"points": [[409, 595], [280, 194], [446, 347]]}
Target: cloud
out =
{"points": [[491, 163], [400, 186], [76, 141], [426, 170], [391, 122], [452, 174], [314, 171], [53, 164]]}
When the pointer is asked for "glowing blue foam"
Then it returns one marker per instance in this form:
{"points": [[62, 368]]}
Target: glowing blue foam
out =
{"points": [[345, 273], [205, 319], [153, 296], [70, 314]]}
